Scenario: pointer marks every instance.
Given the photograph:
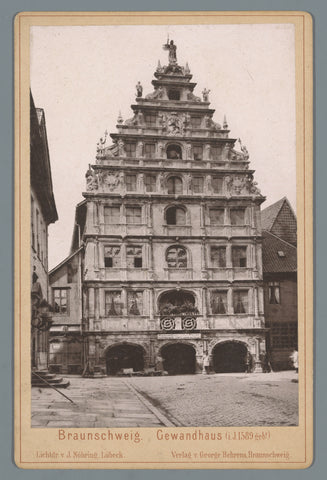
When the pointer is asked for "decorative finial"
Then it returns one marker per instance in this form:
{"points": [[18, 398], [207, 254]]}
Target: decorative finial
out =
{"points": [[159, 67], [225, 124], [187, 68], [120, 119]]}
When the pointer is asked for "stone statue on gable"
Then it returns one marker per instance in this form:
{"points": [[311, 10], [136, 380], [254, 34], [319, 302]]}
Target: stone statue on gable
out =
{"points": [[139, 89], [171, 47]]}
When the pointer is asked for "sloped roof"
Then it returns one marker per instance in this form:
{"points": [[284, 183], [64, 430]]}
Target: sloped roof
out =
{"points": [[65, 260], [272, 261], [269, 214]]}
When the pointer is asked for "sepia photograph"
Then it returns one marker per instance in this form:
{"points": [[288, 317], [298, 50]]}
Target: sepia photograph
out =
{"points": [[163, 226]]}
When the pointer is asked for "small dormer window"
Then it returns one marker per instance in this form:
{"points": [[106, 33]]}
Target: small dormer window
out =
{"points": [[281, 254], [174, 95]]}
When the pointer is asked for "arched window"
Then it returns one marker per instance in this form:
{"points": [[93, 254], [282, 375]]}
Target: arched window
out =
{"points": [[174, 152], [175, 185], [176, 257], [175, 216]]}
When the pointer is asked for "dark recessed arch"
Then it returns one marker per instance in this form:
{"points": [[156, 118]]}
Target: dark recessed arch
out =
{"points": [[124, 356], [230, 356], [178, 358]]}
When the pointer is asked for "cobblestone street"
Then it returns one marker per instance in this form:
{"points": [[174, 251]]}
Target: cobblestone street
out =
{"points": [[189, 400]]}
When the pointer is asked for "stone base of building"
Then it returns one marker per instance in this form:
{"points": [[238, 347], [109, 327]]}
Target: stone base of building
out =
{"points": [[176, 353]]}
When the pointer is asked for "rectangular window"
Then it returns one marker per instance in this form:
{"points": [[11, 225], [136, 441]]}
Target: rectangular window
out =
{"points": [[274, 293], [283, 335], [150, 119], [216, 216], [113, 304], [197, 152], [219, 302], [237, 216], [133, 215], [196, 122], [111, 215], [149, 150], [60, 300], [135, 303], [130, 183], [112, 257], [218, 257], [239, 257], [130, 149], [150, 183], [240, 301], [197, 184], [217, 184], [134, 257], [215, 152]]}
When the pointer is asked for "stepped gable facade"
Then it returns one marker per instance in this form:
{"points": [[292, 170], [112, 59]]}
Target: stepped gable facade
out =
{"points": [[171, 236]]}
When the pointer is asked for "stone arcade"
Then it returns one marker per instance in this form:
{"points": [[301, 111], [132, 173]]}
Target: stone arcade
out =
{"points": [[166, 261]]}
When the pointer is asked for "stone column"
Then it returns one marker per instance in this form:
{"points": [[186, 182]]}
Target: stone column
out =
{"points": [[96, 309], [101, 218], [91, 307], [256, 304], [123, 260], [85, 310], [257, 361], [124, 301], [230, 308]]}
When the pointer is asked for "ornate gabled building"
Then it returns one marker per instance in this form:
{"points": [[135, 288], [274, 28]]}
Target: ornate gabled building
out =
{"points": [[172, 259]]}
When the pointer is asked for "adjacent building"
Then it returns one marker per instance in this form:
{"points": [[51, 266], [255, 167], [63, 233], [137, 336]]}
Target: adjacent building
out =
{"points": [[280, 282], [43, 213], [165, 269]]}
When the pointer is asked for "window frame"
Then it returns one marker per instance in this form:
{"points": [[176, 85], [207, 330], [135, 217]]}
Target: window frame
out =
{"points": [[217, 190], [134, 208], [153, 185], [177, 260], [234, 209], [217, 247], [112, 292], [106, 216], [112, 256], [239, 248], [225, 296], [134, 256], [275, 286], [174, 190], [141, 311], [198, 148], [212, 209], [197, 184], [239, 291], [59, 311], [131, 186], [130, 149]]}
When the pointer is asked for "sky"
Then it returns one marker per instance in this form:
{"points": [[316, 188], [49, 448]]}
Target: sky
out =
{"points": [[84, 76]]}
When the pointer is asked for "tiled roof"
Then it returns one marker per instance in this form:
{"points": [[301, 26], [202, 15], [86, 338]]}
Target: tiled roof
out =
{"points": [[269, 214], [277, 255]]}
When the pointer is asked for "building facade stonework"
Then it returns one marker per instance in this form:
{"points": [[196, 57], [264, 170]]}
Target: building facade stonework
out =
{"points": [[169, 240]]}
